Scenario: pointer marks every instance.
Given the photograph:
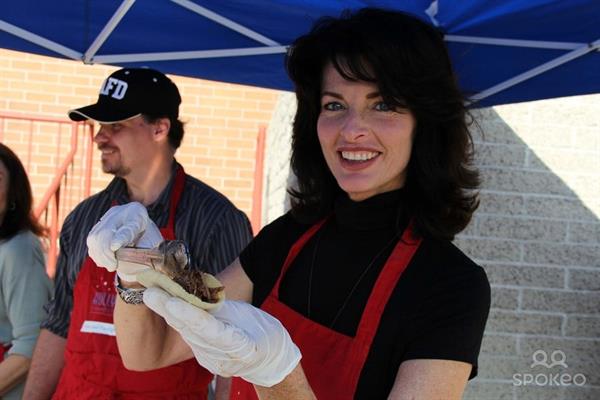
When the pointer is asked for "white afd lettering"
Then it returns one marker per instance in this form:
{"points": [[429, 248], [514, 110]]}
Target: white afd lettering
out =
{"points": [[116, 86]]}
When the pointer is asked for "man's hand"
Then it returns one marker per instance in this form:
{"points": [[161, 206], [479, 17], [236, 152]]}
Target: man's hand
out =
{"points": [[125, 225], [235, 340]]}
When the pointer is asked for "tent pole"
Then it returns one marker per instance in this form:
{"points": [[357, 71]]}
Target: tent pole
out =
{"points": [[583, 50], [188, 55], [107, 30], [226, 22], [40, 41]]}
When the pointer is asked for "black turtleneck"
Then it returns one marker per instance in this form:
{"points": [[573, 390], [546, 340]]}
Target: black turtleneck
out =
{"points": [[438, 309], [357, 237]]}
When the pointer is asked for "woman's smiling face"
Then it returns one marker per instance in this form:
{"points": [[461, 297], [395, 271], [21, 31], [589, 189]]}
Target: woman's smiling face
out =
{"points": [[366, 143]]}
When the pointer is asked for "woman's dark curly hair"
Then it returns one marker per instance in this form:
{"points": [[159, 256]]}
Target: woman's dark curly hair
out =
{"points": [[408, 61], [19, 201]]}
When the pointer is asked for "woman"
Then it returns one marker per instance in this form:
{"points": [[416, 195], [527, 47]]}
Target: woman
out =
{"points": [[361, 272], [24, 285]]}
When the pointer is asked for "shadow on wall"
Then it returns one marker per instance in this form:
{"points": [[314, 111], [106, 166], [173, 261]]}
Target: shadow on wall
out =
{"points": [[536, 233]]}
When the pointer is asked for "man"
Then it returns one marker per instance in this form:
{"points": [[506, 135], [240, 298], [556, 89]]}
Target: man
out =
{"points": [[76, 356]]}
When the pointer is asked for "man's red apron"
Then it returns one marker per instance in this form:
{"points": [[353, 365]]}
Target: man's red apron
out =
{"points": [[332, 362], [4, 349], [93, 367]]}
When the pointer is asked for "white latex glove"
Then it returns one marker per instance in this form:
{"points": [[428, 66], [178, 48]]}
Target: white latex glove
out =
{"points": [[125, 225], [235, 340]]}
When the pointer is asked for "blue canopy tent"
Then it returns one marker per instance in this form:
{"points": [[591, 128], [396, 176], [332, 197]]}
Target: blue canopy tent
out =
{"points": [[504, 51]]}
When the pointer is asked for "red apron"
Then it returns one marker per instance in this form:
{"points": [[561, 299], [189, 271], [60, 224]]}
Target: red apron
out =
{"points": [[3, 350], [332, 362], [93, 367]]}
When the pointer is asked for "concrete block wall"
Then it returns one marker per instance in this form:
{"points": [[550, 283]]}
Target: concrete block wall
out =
{"points": [[222, 120], [277, 177], [536, 233]]}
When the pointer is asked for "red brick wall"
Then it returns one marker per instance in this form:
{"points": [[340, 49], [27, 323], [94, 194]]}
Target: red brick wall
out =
{"points": [[222, 121]]}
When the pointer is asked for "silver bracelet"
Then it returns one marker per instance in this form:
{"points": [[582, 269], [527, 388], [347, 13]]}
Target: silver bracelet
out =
{"points": [[129, 295]]}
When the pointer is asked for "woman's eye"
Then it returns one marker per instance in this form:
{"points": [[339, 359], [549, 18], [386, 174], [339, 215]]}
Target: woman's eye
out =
{"points": [[382, 106], [333, 106]]}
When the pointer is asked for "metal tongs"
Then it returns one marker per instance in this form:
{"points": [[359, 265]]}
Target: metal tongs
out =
{"points": [[169, 257]]}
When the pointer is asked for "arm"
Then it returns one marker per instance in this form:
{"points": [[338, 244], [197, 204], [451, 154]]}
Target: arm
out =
{"points": [[235, 339], [294, 386], [238, 287], [25, 290], [155, 344], [46, 366], [222, 388], [430, 380], [442, 354], [12, 372], [144, 339]]}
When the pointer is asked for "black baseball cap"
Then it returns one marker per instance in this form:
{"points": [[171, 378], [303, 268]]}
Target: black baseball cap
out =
{"points": [[129, 92]]}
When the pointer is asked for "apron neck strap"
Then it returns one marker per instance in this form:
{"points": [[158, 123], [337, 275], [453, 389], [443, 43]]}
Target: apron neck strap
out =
{"points": [[175, 196], [295, 250]]}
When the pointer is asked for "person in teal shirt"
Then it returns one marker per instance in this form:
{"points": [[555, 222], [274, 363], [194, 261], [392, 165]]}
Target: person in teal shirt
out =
{"points": [[24, 285]]}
